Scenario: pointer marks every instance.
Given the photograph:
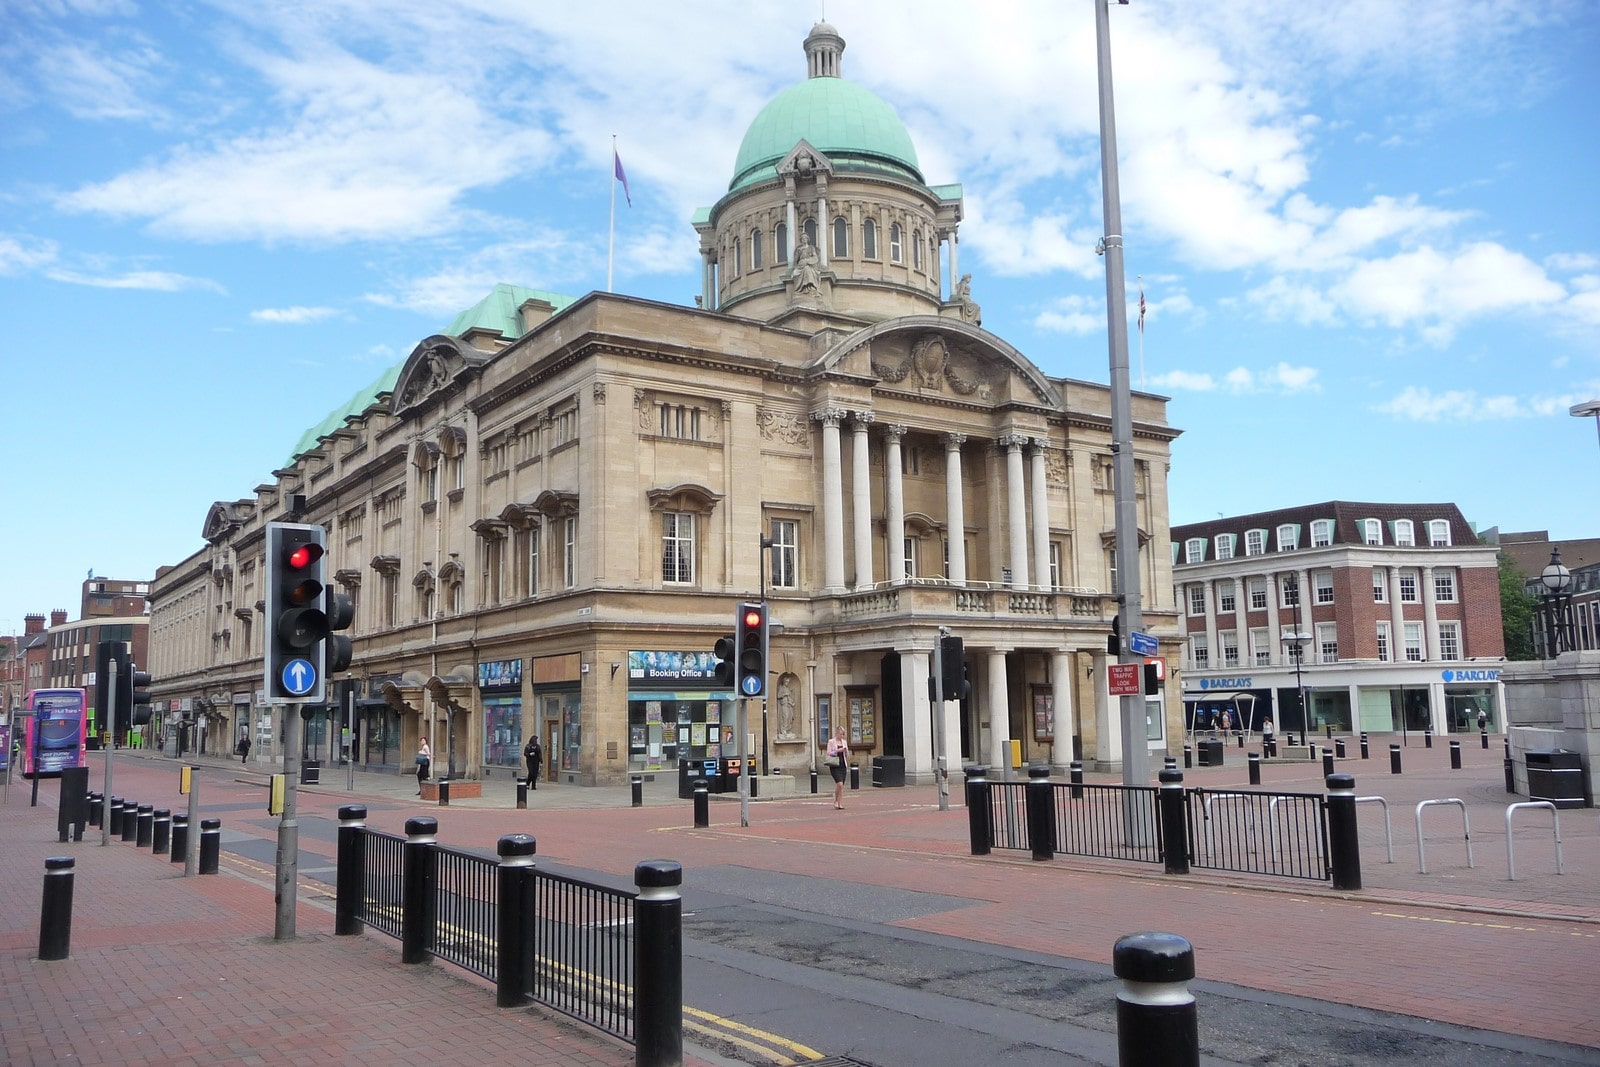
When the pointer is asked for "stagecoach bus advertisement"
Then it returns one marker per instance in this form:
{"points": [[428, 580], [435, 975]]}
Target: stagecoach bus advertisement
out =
{"points": [[54, 725]]}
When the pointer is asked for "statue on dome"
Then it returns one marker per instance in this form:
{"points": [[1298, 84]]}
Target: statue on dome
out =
{"points": [[970, 310], [807, 269]]}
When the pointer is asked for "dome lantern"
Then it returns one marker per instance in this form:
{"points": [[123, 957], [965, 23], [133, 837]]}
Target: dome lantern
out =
{"points": [[824, 47]]}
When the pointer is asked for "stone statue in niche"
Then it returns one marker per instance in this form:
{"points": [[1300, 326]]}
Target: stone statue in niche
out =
{"points": [[970, 311], [807, 269], [787, 709]]}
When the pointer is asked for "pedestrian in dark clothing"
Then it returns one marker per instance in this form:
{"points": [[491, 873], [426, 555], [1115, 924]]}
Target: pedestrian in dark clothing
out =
{"points": [[244, 749], [535, 756]]}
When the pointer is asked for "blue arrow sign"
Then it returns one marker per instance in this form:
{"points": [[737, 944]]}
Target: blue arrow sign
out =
{"points": [[1141, 644], [750, 685], [299, 677]]}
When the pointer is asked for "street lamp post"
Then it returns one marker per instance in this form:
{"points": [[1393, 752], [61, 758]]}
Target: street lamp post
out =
{"points": [[1589, 409], [1295, 642], [1556, 605]]}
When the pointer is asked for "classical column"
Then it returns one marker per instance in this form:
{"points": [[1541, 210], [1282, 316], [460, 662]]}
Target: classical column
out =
{"points": [[1066, 726], [955, 508], [1397, 618], [708, 288], [1307, 626], [955, 270], [1016, 517], [832, 501], [1213, 641], [1430, 617], [788, 218], [1280, 653], [916, 717], [1241, 623], [1040, 517], [861, 496], [894, 533], [997, 711], [822, 220]]}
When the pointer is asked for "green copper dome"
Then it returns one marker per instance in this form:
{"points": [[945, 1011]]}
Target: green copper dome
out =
{"points": [[850, 125]]}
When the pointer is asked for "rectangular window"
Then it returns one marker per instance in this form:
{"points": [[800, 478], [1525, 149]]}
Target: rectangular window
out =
{"points": [[564, 424], [1194, 550], [492, 552], [1380, 586], [677, 547], [1404, 533], [1225, 598], [909, 548], [1197, 599], [1055, 565], [458, 468], [1230, 648], [1258, 594], [1449, 640], [1372, 531], [1444, 586], [569, 552], [1224, 546], [1199, 652], [785, 554], [1408, 587], [391, 599], [1322, 581], [1255, 542], [681, 421], [1291, 592], [529, 539], [1322, 533], [1327, 642], [1288, 537], [430, 480], [1384, 653], [1439, 533], [1413, 638]]}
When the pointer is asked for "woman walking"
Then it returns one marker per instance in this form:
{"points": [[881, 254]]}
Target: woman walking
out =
{"points": [[838, 757], [424, 760]]}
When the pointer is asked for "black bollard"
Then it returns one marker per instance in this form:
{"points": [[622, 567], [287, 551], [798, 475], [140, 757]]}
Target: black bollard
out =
{"points": [[161, 831], [95, 801], [1364, 752], [1344, 842], [1254, 761], [1427, 736], [702, 803], [1484, 734], [522, 794], [444, 792], [1329, 727], [130, 820], [1338, 748], [55, 909], [980, 833], [1170, 763], [755, 786], [1188, 756], [1039, 800], [180, 839], [515, 923], [350, 878], [1455, 755], [638, 790], [813, 781], [1508, 746], [1156, 1018], [1174, 816], [1394, 759], [210, 845], [1327, 761], [658, 964], [1239, 736], [1075, 776], [146, 826], [420, 875], [855, 776], [1511, 775], [115, 829]]}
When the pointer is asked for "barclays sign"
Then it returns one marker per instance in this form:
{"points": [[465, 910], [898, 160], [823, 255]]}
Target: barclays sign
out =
{"points": [[1225, 683], [1470, 676]]}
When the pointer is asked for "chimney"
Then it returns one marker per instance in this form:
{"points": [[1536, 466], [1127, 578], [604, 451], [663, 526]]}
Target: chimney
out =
{"points": [[32, 624], [58, 617], [533, 312]]}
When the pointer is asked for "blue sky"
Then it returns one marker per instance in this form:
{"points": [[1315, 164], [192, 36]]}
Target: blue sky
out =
{"points": [[1367, 232]]}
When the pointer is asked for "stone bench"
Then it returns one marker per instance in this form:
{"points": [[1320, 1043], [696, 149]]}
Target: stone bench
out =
{"points": [[460, 789]]}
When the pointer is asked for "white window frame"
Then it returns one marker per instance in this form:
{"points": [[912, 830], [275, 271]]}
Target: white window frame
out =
{"points": [[895, 243], [569, 552], [1289, 591], [1230, 648], [1444, 586], [1410, 591], [1322, 587], [1227, 597], [1258, 594], [1372, 531], [1197, 598], [1412, 635], [1439, 533], [1199, 652], [1385, 644], [1380, 585], [677, 548], [785, 554], [530, 559], [1194, 550], [1255, 542], [1327, 642], [1288, 537], [1224, 545], [1260, 647], [1055, 565], [1450, 640], [1322, 533], [1405, 533]]}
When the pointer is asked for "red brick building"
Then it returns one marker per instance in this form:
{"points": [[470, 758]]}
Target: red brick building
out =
{"points": [[1386, 617]]}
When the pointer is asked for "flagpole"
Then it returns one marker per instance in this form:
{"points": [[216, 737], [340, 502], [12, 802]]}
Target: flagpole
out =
{"points": [[1141, 328], [611, 241]]}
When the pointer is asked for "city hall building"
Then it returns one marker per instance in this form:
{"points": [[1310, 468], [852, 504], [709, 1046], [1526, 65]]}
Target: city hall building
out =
{"points": [[1385, 618], [548, 513]]}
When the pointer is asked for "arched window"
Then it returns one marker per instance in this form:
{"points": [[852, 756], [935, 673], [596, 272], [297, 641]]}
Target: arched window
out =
{"points": [[809, 228], [780, 243], [755, 249], [841, 238], [894, 242], [736, 253], [869, 239], [916, 249]]}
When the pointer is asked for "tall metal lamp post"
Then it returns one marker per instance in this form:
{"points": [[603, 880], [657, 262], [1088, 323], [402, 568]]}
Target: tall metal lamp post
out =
{"points": [[1295, 642], [1589, 409], [1555, 603]]}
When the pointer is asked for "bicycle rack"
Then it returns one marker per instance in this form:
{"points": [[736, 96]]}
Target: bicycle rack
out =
{"points": [[1466, 830], [1511, 809], [1388, 831]]}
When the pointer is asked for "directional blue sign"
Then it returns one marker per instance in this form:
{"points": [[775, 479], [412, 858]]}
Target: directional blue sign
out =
{"points": [[299, 677], [751, 685], [1141, 644]]}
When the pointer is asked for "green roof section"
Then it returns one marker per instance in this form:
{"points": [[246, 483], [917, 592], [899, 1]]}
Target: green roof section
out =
{"points": [[949, 193], [335, 420], [849, 124], [498, 311]]}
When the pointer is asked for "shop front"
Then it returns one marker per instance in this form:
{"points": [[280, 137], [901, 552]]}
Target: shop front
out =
{"points": [[558, 703], [500, 695], [376, 742], [674, 713]]}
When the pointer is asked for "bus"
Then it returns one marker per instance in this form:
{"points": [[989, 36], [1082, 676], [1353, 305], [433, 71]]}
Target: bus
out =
{"points": [[51, 729]]}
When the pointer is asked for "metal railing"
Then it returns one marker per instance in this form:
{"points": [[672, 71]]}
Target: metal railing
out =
{"points": [[464, 930], [583, 959], [382, 897], [1092, 820], [1259, 833]]}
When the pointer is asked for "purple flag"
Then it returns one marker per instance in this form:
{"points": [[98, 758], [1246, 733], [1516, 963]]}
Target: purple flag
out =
{"points": [[621, 175]]}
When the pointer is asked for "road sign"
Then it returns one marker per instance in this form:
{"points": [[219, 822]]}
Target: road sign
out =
{"points": [[1142, 644], [1122, 679], [299, 677]]}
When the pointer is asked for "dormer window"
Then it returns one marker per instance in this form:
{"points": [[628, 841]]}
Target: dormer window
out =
{"points": [[1194, 550], [1439, 533], [1404, 533], [1224, 545], [1322, 533], [1288, 537], [1372, 531], [1255, 542]]}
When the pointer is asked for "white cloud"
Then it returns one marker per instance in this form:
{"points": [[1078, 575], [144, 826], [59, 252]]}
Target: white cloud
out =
{"points": [[1420, 404], [1183, 381], [154, 280], [1077, 315], [20, 253], [1281, 299], [1443, 289], [1572, 261], [293, 316]]}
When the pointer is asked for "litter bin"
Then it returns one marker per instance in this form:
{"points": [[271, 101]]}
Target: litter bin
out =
{"points": [[311, 772], [1556, 775], [1210, 753], [732, 767], [888, 771]]}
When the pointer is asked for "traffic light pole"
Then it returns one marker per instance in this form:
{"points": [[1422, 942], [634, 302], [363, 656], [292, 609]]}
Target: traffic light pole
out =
{"points": [[288, 867], [937, 734], [109, 715], [741, 723]]}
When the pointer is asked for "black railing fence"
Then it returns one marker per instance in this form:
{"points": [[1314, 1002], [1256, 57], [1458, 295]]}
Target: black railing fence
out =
{"points": [[1259, 832], [464, 931], [584, 962], [381, 897]]}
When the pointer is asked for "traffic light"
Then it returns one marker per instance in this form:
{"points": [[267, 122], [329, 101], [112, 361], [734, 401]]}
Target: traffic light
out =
{"points": [[952, 668], [726, 652], [1114, 641], [750, 649], [105, 698], [1155, 672], [297, 618], [133, 695]]}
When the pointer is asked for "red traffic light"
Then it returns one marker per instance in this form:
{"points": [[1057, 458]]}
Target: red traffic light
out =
{"points": [[303, 556], [752, 619]]}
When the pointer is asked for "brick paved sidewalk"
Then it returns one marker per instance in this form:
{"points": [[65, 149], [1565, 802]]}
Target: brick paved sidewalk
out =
{"points": [[168, 970]]}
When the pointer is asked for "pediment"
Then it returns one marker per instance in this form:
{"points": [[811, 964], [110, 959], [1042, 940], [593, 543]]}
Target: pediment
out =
{"points": [[930, 355], [435, 368], [225, 517], [804, 161]]}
